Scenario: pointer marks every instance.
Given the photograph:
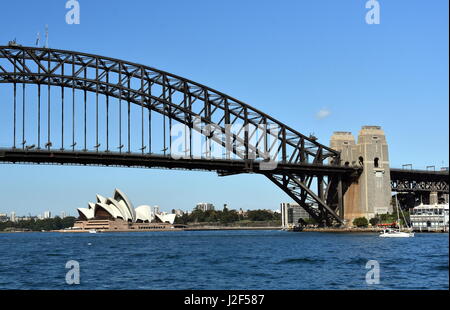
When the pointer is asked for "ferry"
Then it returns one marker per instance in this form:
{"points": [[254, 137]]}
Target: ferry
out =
{"points": [[433, 217]]}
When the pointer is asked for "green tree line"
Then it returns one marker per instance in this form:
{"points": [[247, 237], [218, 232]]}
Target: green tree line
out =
{"points": [[39, 225], [226, 216]]}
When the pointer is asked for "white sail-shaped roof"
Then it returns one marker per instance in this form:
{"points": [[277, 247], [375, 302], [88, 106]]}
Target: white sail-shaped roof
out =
{"points": [[121, 207], [101, 199], [144, 213], [166, 218], [124, 213], [111, 209], [87, 213], [123, 200]]}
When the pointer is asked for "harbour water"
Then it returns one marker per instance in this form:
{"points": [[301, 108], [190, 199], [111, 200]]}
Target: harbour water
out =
{"points": [[223, 260]]}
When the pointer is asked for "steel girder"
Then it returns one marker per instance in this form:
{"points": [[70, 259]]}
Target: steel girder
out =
{"points": [[419, 186], [184, 101], [298, 187], [404, 180], [160, 91]]}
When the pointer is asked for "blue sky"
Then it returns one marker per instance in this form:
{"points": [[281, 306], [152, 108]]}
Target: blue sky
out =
{"points": [[290, 59]]}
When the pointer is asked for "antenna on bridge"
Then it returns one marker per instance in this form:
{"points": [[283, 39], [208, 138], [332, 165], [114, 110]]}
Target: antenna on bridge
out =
{"points": [[13, 43], [46, 36], [38, 38], [312, 136]]}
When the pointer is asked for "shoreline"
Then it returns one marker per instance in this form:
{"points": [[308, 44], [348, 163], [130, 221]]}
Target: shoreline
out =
{"points": [[225, 228]]}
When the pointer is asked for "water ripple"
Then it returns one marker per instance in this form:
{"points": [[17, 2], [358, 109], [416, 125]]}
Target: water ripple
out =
{"points": [[222, 260]]}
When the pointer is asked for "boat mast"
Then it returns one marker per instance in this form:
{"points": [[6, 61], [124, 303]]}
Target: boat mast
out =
{"points": [[398, 214]]}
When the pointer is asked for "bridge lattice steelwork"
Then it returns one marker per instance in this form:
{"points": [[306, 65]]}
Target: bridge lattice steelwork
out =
{"points": [[92, 110]]}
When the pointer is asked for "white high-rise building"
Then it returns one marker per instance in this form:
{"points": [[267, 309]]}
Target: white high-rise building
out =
{"points": [[156, 209], [13, 217], [3, 217], [204, 206], [291, 213], [47, 214], [179, 212]]}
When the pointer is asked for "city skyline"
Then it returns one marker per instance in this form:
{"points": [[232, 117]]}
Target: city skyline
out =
{"points": [[372, 77]]}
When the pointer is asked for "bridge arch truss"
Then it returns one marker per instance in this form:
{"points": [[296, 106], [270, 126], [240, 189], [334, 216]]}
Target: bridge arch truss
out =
{"points": [[89, 109]]}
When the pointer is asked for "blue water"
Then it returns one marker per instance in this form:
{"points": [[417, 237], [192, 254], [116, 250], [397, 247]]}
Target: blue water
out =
{"points": [[222, 260]]}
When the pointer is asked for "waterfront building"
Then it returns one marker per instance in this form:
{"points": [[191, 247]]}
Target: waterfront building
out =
{"points": [[178, 212], [242, 212], [117, 213], [13, 216], [27, 218], [156, 209], [433, 217], [47, 214], [204, 206], [4, 217], [291, 214]]}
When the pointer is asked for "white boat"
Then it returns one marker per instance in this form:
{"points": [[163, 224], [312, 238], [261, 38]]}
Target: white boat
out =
{"points": [[397, 232], [92, 231]]}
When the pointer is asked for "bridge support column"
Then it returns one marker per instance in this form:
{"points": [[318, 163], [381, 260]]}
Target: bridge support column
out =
{"points": [[370, 194], [433, 198], [445, 198], [340, 198]]}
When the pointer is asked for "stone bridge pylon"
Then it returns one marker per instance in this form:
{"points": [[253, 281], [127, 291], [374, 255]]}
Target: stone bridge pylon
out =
{"points": [[370, 193]]}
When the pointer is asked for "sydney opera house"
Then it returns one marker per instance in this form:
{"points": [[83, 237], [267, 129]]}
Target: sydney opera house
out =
{"points": [[118, 214]]}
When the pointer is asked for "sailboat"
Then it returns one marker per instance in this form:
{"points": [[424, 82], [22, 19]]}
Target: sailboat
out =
{"points": [[397, 232]]}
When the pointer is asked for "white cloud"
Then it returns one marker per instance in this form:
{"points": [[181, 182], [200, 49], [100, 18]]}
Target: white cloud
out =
{"points": [[323, 113]]}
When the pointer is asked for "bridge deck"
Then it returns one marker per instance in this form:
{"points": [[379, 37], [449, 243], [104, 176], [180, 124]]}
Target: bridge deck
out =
{"points": [[403, 180], [163, 161], [419, 174]]}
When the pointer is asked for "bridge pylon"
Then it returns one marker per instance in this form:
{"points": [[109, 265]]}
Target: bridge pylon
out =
{"points": [[370, 193]]}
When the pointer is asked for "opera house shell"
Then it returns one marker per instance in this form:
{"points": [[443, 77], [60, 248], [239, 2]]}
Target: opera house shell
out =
{"points": [[120, 208]]}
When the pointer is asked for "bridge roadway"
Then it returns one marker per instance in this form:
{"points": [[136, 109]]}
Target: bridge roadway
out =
{"points": [[222, 166], [402, 180], [406, 180]]}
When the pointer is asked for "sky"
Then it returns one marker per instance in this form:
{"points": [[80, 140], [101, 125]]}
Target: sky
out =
{"points": [[314, 65]]}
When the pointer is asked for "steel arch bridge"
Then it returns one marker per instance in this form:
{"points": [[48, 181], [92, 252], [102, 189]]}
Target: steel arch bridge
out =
{"points": [[91, 110]]}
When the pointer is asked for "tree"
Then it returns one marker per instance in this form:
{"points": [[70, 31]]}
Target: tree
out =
{"points": [[38, 225], [360, 222], [310, 221], [183, 219], [229, 216], [374, 221], [68, 221], [259, 215]]}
